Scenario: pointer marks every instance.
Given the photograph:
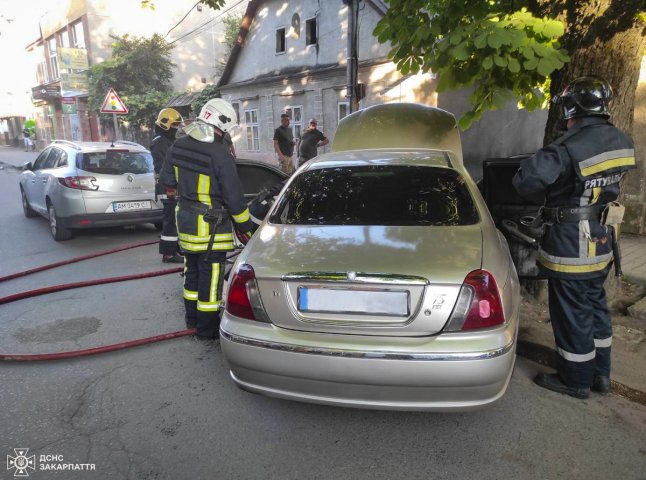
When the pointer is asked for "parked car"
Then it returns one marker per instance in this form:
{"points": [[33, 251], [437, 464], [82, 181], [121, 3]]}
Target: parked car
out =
{"points": [[378, 278], [90, 184]]}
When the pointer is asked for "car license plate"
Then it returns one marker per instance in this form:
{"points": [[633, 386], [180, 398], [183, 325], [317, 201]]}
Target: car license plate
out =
{"points": [[336, 300], [126, 206]]}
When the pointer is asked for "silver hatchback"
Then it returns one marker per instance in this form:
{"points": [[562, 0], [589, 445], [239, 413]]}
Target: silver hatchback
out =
{"points": [[378, 278], [80, 185]]}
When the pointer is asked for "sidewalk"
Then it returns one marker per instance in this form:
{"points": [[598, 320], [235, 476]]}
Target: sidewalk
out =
{"points": [[627, 301]]}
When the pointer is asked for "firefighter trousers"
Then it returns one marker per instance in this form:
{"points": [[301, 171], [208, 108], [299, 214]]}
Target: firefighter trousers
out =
{"points": [[203, 283], [168, 242], [582, 329]]}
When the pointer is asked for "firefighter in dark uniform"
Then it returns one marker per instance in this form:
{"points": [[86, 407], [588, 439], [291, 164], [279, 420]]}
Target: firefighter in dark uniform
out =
{"points": [[166, 125], [201, 168], [578, 177]]}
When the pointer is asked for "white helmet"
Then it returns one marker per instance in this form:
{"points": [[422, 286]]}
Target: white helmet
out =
{"points": [[219, 113]]}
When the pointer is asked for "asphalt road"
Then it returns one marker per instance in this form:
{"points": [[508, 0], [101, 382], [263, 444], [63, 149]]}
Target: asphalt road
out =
{"points": [[170, 411]]}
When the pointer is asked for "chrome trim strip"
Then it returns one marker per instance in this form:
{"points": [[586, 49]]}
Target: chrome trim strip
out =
{"points": [[337, 352], [362, 277]]}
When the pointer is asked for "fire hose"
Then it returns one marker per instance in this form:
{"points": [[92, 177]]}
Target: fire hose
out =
{"points": [[87, 283]]}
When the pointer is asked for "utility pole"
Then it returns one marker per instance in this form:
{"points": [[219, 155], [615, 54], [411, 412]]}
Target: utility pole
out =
{"points": [[351, 59]]}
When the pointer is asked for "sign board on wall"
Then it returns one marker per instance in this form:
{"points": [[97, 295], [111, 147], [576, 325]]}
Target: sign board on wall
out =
{"points": [[68, 105], [73, 58], [74, 84]]}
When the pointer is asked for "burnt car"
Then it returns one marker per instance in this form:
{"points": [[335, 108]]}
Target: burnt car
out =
{"points": [[378, 279]]}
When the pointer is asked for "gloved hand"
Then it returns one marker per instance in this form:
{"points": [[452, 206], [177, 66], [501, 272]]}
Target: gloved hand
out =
{"points": [[171, 193], [244, 237]]}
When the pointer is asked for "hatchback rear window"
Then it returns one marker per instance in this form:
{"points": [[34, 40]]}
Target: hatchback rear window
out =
{"points": [[115, 162], [377, 195]]}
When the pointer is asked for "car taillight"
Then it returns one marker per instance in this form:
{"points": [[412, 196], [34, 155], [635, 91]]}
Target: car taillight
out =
{"points": [[79, 183], [478, 304], [243, 299]]}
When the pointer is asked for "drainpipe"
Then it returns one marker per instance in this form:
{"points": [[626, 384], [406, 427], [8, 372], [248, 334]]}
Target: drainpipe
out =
{"points": [[351, 56]]}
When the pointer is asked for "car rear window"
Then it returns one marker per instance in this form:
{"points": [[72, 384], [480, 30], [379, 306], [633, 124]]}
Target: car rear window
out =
{"points": [[377, 195], [113, 162]]}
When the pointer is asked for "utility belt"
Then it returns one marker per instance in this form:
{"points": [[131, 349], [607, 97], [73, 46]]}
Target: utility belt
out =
{"points": [[213, 216], [572, 214]]}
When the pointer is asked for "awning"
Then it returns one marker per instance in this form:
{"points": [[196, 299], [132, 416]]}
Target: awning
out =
{"points": [[183, 100]]}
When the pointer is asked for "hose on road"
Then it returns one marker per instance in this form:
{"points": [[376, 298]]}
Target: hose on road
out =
{"points": [[87, 283]]}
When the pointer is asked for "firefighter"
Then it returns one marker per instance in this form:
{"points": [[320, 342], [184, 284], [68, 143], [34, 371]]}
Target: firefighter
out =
{"points": [[166, 125], [578, 178], [201, 168]]}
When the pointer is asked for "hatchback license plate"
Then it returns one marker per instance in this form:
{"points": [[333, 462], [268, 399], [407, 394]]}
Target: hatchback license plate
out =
{"points": [[125, 206], [333, 300]]}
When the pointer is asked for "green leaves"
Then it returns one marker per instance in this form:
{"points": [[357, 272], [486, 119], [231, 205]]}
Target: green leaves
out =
{"points": [[503, 55]]}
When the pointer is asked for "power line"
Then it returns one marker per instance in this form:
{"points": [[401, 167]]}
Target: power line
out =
{"points": [[199, 29], [183, 18]]}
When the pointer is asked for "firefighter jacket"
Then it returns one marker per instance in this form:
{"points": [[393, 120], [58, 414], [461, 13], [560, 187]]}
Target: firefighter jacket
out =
{"points": [[582, 168], [160, 145], [206, 179]]}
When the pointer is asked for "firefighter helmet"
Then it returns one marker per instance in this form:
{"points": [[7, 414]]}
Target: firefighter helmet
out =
{"points": [[585, 96], [219, 113], [168, 118]]}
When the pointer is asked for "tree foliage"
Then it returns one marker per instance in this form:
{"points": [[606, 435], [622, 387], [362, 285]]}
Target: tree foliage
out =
{"points": [[140, 70], [502, 52], [504, 49]]}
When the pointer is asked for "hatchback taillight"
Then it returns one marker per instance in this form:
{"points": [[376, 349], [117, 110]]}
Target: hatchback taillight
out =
{"points": [[79, 183], [243, 299], [478, 304]]}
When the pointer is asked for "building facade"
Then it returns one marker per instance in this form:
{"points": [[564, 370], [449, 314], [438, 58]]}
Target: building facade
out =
{"points": [[292, 57], [77, 34]]}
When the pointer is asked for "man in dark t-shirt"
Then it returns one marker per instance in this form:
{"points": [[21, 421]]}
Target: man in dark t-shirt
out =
{"points": [[310, 140], [284, 145]]}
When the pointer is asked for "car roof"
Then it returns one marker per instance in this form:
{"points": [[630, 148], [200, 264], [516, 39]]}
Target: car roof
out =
{"points": [[100, 146]]}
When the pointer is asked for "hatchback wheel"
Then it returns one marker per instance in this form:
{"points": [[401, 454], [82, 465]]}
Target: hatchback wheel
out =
{"points": [[58, 231], [26, 208]]}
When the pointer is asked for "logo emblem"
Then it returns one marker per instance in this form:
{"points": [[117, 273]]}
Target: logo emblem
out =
{"points": [[21, 462], [130, 178]]}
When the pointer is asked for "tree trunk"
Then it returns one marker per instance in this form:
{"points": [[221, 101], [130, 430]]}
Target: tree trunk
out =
{"points": [[604, 38]]}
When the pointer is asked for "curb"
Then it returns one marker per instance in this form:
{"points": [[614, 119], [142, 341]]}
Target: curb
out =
{"points": [[546, 356]]}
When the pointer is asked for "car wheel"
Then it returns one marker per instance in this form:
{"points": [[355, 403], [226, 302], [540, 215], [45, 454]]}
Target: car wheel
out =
{"points": [[59, 232], [26, 208]]}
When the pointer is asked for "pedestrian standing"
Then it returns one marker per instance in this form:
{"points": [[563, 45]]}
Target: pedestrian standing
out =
{"points": [[578, 177], [284, 145], [166, 125], [201, 168], [309, 141], [26, 135]]}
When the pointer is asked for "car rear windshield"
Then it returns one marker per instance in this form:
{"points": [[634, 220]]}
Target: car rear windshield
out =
{"points": [[113, 162], [377, 195]]}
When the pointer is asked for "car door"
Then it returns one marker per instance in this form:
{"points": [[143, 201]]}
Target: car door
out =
{"points": [[33, 185], [46, 178], [257, 176]]}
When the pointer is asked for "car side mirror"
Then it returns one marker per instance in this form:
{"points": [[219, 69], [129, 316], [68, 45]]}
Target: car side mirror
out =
{"points": [[28, 166]]}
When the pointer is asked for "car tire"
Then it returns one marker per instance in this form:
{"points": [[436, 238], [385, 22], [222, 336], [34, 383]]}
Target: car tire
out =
{"points": [[59, 232], [26, 208]]}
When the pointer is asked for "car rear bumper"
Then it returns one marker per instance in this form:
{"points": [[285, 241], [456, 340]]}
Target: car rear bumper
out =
{"points": [[431, 378], [97, 220]]}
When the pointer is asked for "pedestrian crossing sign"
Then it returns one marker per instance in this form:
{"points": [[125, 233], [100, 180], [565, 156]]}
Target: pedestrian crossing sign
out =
{"points": [[113, 104]]}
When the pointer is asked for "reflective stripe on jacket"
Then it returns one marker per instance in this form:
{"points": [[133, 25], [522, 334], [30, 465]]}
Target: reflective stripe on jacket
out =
{"points": [[583, 167], [205, 173]]}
